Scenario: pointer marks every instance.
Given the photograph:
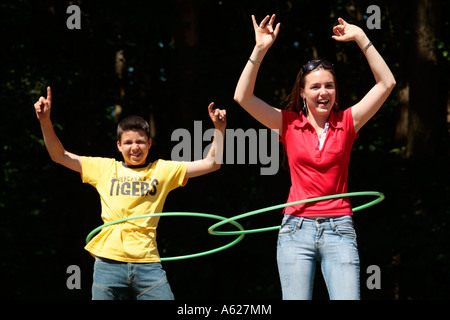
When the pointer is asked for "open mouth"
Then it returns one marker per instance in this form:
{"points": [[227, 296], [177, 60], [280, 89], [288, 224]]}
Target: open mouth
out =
{"points": [[323, 103], [135, 155]]}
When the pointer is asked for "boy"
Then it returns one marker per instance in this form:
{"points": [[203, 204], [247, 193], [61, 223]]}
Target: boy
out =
{"points": [[127, 261]]}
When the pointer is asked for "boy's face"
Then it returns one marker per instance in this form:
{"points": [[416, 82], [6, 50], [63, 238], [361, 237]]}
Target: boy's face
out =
{"points": [[134, 146]]}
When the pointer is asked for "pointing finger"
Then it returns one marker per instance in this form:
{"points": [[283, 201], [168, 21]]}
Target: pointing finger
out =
{"points": [[49, 95]]}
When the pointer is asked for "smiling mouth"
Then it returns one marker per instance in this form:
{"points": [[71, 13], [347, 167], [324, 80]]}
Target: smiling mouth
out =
{"points": [[323, 102], [135, 155]]}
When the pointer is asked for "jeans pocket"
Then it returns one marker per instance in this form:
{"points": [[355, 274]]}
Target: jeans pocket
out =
{"points": [[288, 226], [346, 230]]}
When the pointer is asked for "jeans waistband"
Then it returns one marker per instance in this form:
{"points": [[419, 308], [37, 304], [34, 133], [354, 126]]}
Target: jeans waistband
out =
{"points": [[108, 260], [325, 221]]}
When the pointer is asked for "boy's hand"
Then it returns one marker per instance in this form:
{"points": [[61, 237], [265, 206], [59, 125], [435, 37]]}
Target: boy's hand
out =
{"points": [[218, 117], [43, 106]]}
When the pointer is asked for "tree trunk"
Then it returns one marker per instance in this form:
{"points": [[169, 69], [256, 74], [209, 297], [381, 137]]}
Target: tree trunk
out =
{"points": [[186, 43], [427, 94], [120, 65]]}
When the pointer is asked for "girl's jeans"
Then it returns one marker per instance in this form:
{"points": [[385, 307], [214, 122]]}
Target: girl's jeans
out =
{"points": [[114, 280], [332, 242]]}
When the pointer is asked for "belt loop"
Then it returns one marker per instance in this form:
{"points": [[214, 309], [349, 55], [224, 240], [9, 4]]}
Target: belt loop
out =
{"points": [[333, 224], [300, 222]]}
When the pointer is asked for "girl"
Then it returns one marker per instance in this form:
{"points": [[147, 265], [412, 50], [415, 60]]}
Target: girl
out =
{"points": [[318, 139]]}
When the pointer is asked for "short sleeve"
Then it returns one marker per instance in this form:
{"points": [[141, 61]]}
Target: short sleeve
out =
{"points": [[175, 172], [92, 168], [349, 125], [288, 117]]}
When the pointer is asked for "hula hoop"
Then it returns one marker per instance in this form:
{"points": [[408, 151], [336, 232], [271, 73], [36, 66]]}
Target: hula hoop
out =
{"points": [[250, 213], [185, 214]]}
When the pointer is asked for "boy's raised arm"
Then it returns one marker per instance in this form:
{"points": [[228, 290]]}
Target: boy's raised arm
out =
{"points": [[54, 147], [213, 160]]}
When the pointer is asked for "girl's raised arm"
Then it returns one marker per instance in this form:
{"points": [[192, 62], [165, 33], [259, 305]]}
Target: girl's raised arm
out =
{"points": [[384, 79], [265, 35]]}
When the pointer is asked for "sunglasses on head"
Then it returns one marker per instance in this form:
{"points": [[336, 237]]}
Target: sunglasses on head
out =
{"points": [[313, 64]]}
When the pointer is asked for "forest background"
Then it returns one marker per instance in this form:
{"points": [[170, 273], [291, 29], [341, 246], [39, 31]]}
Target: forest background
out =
{"points": [[166, 60]]}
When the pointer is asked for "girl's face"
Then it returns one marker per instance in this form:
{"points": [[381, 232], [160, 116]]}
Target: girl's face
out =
{"points": [[319, 92], [134, 146]]}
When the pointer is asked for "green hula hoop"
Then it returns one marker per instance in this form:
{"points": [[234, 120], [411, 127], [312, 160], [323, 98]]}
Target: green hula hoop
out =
{"points": [[188, 214], [244, 215]]}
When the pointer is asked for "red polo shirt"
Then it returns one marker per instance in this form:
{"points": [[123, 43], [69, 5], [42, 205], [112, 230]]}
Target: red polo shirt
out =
{"points": [[318, 172]]}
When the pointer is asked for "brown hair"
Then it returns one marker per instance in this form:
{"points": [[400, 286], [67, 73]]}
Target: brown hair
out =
{"points": [[132, 123], [294, 101]]}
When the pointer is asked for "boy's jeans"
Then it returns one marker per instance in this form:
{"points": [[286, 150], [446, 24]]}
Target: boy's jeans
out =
{"points": [[332, 242], [114, 280]]}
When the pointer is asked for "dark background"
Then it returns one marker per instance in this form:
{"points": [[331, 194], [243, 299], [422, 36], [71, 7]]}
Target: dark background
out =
{"points": [[177, 57]]}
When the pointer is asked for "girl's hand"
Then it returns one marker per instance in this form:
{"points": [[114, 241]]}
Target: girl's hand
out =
{"points": [[43, 106], [347, 32], [265, 34], [218, 117]]}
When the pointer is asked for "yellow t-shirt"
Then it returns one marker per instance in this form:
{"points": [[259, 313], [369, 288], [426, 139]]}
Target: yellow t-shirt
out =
{"points": [[128, 192]]}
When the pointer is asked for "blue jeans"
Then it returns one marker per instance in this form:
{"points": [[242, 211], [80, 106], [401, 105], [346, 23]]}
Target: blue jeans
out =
{"points": [[114, 280], [330, 241]]}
